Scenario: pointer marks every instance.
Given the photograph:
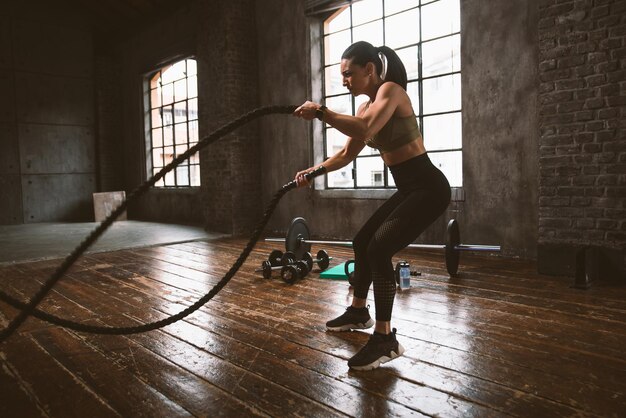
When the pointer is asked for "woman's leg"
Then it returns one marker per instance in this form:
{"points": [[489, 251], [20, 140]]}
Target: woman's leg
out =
{"points": [[419, 209], [360, 243]]}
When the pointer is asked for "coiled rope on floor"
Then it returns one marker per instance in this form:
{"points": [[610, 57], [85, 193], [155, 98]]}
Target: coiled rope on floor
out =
{"points": [[30, 308]]}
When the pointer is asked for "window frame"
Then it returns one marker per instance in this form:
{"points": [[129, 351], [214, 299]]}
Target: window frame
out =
{"points": [[318, 85], [149, 167]]}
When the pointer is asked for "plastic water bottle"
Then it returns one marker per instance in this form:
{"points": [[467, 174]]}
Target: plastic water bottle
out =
{"points": [[405, 275]]}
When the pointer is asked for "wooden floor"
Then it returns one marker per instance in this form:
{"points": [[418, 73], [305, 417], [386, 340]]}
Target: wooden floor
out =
{"points": [[500, 340]]}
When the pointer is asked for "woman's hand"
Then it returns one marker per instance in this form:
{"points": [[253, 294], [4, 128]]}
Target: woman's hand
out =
{"points": [[300, 178], [307, 110]]}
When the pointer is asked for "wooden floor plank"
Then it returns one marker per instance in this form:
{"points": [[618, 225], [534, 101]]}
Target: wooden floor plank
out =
{"points": [[499, 340]]}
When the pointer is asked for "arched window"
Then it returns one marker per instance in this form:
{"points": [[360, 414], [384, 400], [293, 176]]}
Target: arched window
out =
{"points": [[426, 36], [172, 122]]}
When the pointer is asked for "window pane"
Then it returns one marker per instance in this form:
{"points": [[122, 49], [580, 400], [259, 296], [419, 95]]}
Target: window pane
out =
{"points": [[195, 175], [335, 141], [341, 178], [333, 80], [395, 6], [440, 18], [442, 94], [358, 101], [168, 93], [180, 132], [174, 72], [402, 29], [192, 109], [193, 132], [171, 120], [412, 90], [334, 46], [192, 87], [157, 137], [180, 90], [451, 164], [156, 118], [442, 131], [441, 56], [372, 33], [340, 104], [191, 68], [367, 150], [408, 56], [366, 10], [168, 135], [168, 117], [155, 98], [369, 172], [390, 181], [157, 157], [182, 175], [338, 21]]}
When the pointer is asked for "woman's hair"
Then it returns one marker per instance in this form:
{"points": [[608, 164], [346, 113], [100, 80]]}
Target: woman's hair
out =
{"points": [[363, 52]]}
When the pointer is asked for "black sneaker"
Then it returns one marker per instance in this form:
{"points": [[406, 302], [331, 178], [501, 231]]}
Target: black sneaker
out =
{"points": [[352, 318], [379, 349]]}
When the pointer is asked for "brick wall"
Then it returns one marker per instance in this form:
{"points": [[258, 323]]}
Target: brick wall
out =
{"points": [[228, 87], [582, 121]]}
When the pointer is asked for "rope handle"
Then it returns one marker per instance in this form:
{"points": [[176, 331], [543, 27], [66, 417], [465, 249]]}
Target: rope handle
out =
{"points": [[30, 308]]}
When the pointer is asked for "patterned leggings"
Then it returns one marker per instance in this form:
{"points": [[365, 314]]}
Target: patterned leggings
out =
{"points": [[423, 195]]}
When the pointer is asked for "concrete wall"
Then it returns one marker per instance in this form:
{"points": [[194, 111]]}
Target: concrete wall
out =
{"points": [[158, 44], [500, 134], [47, 168]]}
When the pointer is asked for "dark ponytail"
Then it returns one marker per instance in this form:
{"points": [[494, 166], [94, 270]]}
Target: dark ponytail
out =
{"points": [[363, 52], [395, 68]]}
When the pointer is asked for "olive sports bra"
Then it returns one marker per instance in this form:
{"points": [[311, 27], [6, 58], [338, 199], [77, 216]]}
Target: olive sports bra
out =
{"points": [[398, 131]]}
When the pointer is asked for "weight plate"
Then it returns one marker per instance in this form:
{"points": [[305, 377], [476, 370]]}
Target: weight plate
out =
{"points": [[323, 260], [275, 257], [453, 238], [308, 259], [289, 274], [288, 258], [303, 267], [297, 232], [267, 269]]}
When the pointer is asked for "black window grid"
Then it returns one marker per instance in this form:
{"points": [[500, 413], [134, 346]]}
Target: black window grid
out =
{"points": [[170, 122], [419, 80]]}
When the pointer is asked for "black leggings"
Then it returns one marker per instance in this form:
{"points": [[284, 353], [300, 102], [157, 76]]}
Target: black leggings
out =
{"points": [[423, 195]]}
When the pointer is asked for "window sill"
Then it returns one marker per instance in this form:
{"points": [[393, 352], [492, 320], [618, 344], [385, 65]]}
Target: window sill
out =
{"points": [[458, 194]]}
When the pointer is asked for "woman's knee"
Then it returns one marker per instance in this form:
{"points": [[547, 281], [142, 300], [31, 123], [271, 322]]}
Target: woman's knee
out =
{"points": [[378, 258]]}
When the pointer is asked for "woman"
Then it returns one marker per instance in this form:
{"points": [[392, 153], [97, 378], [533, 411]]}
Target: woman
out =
{"points": [[385, 122]]}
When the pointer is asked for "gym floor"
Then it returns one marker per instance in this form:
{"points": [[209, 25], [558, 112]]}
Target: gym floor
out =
{"points": [[40, 241], [499, 340]]}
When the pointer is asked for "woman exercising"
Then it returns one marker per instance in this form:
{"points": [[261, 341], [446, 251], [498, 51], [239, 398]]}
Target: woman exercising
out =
{"points": [[386, 122]]}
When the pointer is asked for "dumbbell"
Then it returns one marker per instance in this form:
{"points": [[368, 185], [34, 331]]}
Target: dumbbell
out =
{"points": [[322, 260], [276, 258], [293, 272], [285, 259]]}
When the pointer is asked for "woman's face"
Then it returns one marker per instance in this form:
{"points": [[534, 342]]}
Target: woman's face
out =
{"points": [[355, 77]]}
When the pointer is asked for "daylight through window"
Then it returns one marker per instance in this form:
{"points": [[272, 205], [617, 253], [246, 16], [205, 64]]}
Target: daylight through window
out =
{"points": [[426, 36], [172, 123]]}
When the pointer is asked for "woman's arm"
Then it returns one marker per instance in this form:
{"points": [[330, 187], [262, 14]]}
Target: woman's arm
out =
{"points": [[366, 124], [343, 157]]}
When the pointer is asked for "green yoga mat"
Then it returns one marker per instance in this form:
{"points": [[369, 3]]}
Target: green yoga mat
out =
{"points": [[337, 272]]}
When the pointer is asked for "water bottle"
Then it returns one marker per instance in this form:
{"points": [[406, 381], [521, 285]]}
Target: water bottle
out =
{"points": [[405, 275]]}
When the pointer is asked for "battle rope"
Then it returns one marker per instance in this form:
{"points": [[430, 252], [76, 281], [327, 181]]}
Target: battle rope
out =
{"points": [[30, 308]]}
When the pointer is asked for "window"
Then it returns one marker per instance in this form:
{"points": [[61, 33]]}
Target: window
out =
{"points": [[172, 122], [426, 36]]}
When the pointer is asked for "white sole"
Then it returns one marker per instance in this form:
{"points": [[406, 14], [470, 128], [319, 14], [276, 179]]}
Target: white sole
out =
{"points": [[384, 359]]}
